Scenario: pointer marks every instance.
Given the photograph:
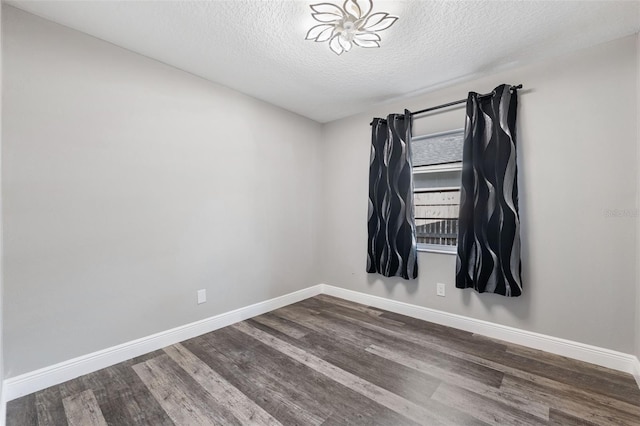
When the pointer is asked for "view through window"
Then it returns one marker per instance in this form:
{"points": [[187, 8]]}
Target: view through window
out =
{"points": [[437, 168]]}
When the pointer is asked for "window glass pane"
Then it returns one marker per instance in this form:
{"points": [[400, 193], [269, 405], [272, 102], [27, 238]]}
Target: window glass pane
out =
{"points": [[436, 180], [437, 161], [436, 214]]}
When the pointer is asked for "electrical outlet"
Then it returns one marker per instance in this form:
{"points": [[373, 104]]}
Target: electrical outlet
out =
{"points": [[440, 289], [202, 296]]}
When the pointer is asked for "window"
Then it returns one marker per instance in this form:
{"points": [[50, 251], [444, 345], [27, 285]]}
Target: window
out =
{"points": [[437, 170]]}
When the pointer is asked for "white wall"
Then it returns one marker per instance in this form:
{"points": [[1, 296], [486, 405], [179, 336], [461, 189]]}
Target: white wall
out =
{"points": [[2, 405], [577, 158], [128, 185], [638, 200]]}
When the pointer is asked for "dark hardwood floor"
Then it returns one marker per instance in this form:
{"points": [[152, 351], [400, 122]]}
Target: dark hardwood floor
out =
{"points": [[326, 361]]}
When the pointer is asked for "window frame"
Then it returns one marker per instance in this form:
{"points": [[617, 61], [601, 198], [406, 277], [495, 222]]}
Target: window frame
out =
{"points": [[438, 168]]}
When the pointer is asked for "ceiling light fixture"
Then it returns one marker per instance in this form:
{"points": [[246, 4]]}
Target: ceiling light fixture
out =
{"points": [[353, 23]]}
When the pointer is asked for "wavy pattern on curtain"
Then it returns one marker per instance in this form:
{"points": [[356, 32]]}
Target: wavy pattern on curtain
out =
{"points": [[489, 228], [392, 248]]}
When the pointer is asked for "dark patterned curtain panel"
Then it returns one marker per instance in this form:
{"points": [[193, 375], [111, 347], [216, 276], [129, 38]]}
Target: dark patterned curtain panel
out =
{"points": [[489, 228], [392, 247]]}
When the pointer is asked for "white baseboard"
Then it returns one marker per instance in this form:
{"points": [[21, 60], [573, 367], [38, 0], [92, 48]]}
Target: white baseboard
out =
{"points": [[580, 351], [636, 371], [34, 381]]}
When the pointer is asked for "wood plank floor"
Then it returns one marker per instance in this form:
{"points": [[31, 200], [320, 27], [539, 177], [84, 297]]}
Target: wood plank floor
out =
{"points": [[327, 361]]}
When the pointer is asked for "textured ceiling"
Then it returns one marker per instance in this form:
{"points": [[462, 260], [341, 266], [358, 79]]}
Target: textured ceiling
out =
{"points": [[258, 47]]}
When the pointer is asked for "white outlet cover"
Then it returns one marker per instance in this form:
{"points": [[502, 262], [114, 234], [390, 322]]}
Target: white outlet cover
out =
{"points": [[440, 289], [202, 296]]}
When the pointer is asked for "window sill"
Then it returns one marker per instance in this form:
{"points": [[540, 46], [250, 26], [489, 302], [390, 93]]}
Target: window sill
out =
{"points": [[426, 248]]}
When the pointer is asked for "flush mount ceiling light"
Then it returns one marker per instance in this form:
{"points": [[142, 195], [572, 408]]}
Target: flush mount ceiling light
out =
{"points": [[353, 23]]}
